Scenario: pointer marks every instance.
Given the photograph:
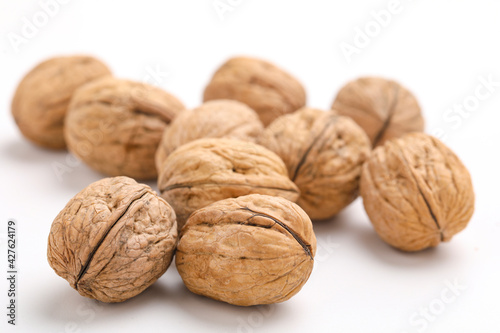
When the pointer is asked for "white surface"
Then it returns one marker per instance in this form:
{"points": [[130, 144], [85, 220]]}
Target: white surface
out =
{"points": [[439, 49]]}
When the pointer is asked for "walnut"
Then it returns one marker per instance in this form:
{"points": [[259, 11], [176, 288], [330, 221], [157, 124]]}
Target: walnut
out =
{"points": [[261, 85], [324, 153], [113, 239], [383, 108], [251, 250], [416, 192], [42, 97], [214, 119], [208, 170], [115, 126]]}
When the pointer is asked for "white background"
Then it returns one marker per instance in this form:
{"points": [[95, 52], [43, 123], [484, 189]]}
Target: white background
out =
{"points": [[438, 49]]}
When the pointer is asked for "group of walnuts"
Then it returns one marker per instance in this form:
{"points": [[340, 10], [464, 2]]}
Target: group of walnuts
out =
{"points": [[240, 177]]}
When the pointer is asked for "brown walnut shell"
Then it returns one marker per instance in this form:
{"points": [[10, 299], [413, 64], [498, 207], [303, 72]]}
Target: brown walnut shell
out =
{"points": [[208, 170], [383, 108], [324, 153], [214, 119], [416, 192], [251, 250], [113, 239], [261, 85], [42, 97], [115, 126]]}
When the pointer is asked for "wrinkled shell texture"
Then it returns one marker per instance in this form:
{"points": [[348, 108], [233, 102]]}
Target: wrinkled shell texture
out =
{"points": [[207, 170], [214, 119], [113, 239], [42, 97], [416, 192], [324, 153], [261, 85], [115, 126], [254, 249], [383, 108]]}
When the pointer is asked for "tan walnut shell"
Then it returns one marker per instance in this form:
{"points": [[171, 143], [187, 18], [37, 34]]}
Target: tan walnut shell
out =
{"points": [[42, 97], [213, 119], [383, 108], [416, 192], [208, 170], [115, 126], [324, 153], [251, 250], [113, 239], [261, 85]]}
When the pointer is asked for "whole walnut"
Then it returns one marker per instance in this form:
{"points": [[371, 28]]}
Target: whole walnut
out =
{"points": [[208, 170], [261, 85], [113, 239], [214, 119], [255, 249], [383, 108], [323, 153], [42, 97], [416, 192], [115, 126]]}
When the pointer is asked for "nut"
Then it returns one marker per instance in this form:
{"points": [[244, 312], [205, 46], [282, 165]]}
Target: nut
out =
{"points": [[115, 126], [323, 153], [416, 192], [113, 239], [214, 119], [208, 170], [261, 85], [383, 108], [251, 250], [42, 97]]}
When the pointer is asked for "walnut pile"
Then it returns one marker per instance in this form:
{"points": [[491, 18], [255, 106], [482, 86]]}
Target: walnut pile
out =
{"points": [[324, 153], [261, 85], [214, 119], [208, 170], [42, 97], [113, 239], [383, 108], [254, 249], [416, 192], [115, 126]]}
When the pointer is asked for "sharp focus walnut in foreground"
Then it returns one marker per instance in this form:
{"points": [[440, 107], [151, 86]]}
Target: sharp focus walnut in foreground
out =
{"points": [[251, 250], [324, 153], [115, 126], [214, 119], [207, 170], [416, 192], [261, 85], [41, 100], [383, 108], [113, 239]]}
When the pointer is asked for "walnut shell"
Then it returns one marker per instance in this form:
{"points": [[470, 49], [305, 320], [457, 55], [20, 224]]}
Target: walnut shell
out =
{"points": [[383, 108], [115, 126], [261, 85], [416, 192], [208, 170], [113, 239], [251, 250], [42, 97], [214, 119], [323, 153]]}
